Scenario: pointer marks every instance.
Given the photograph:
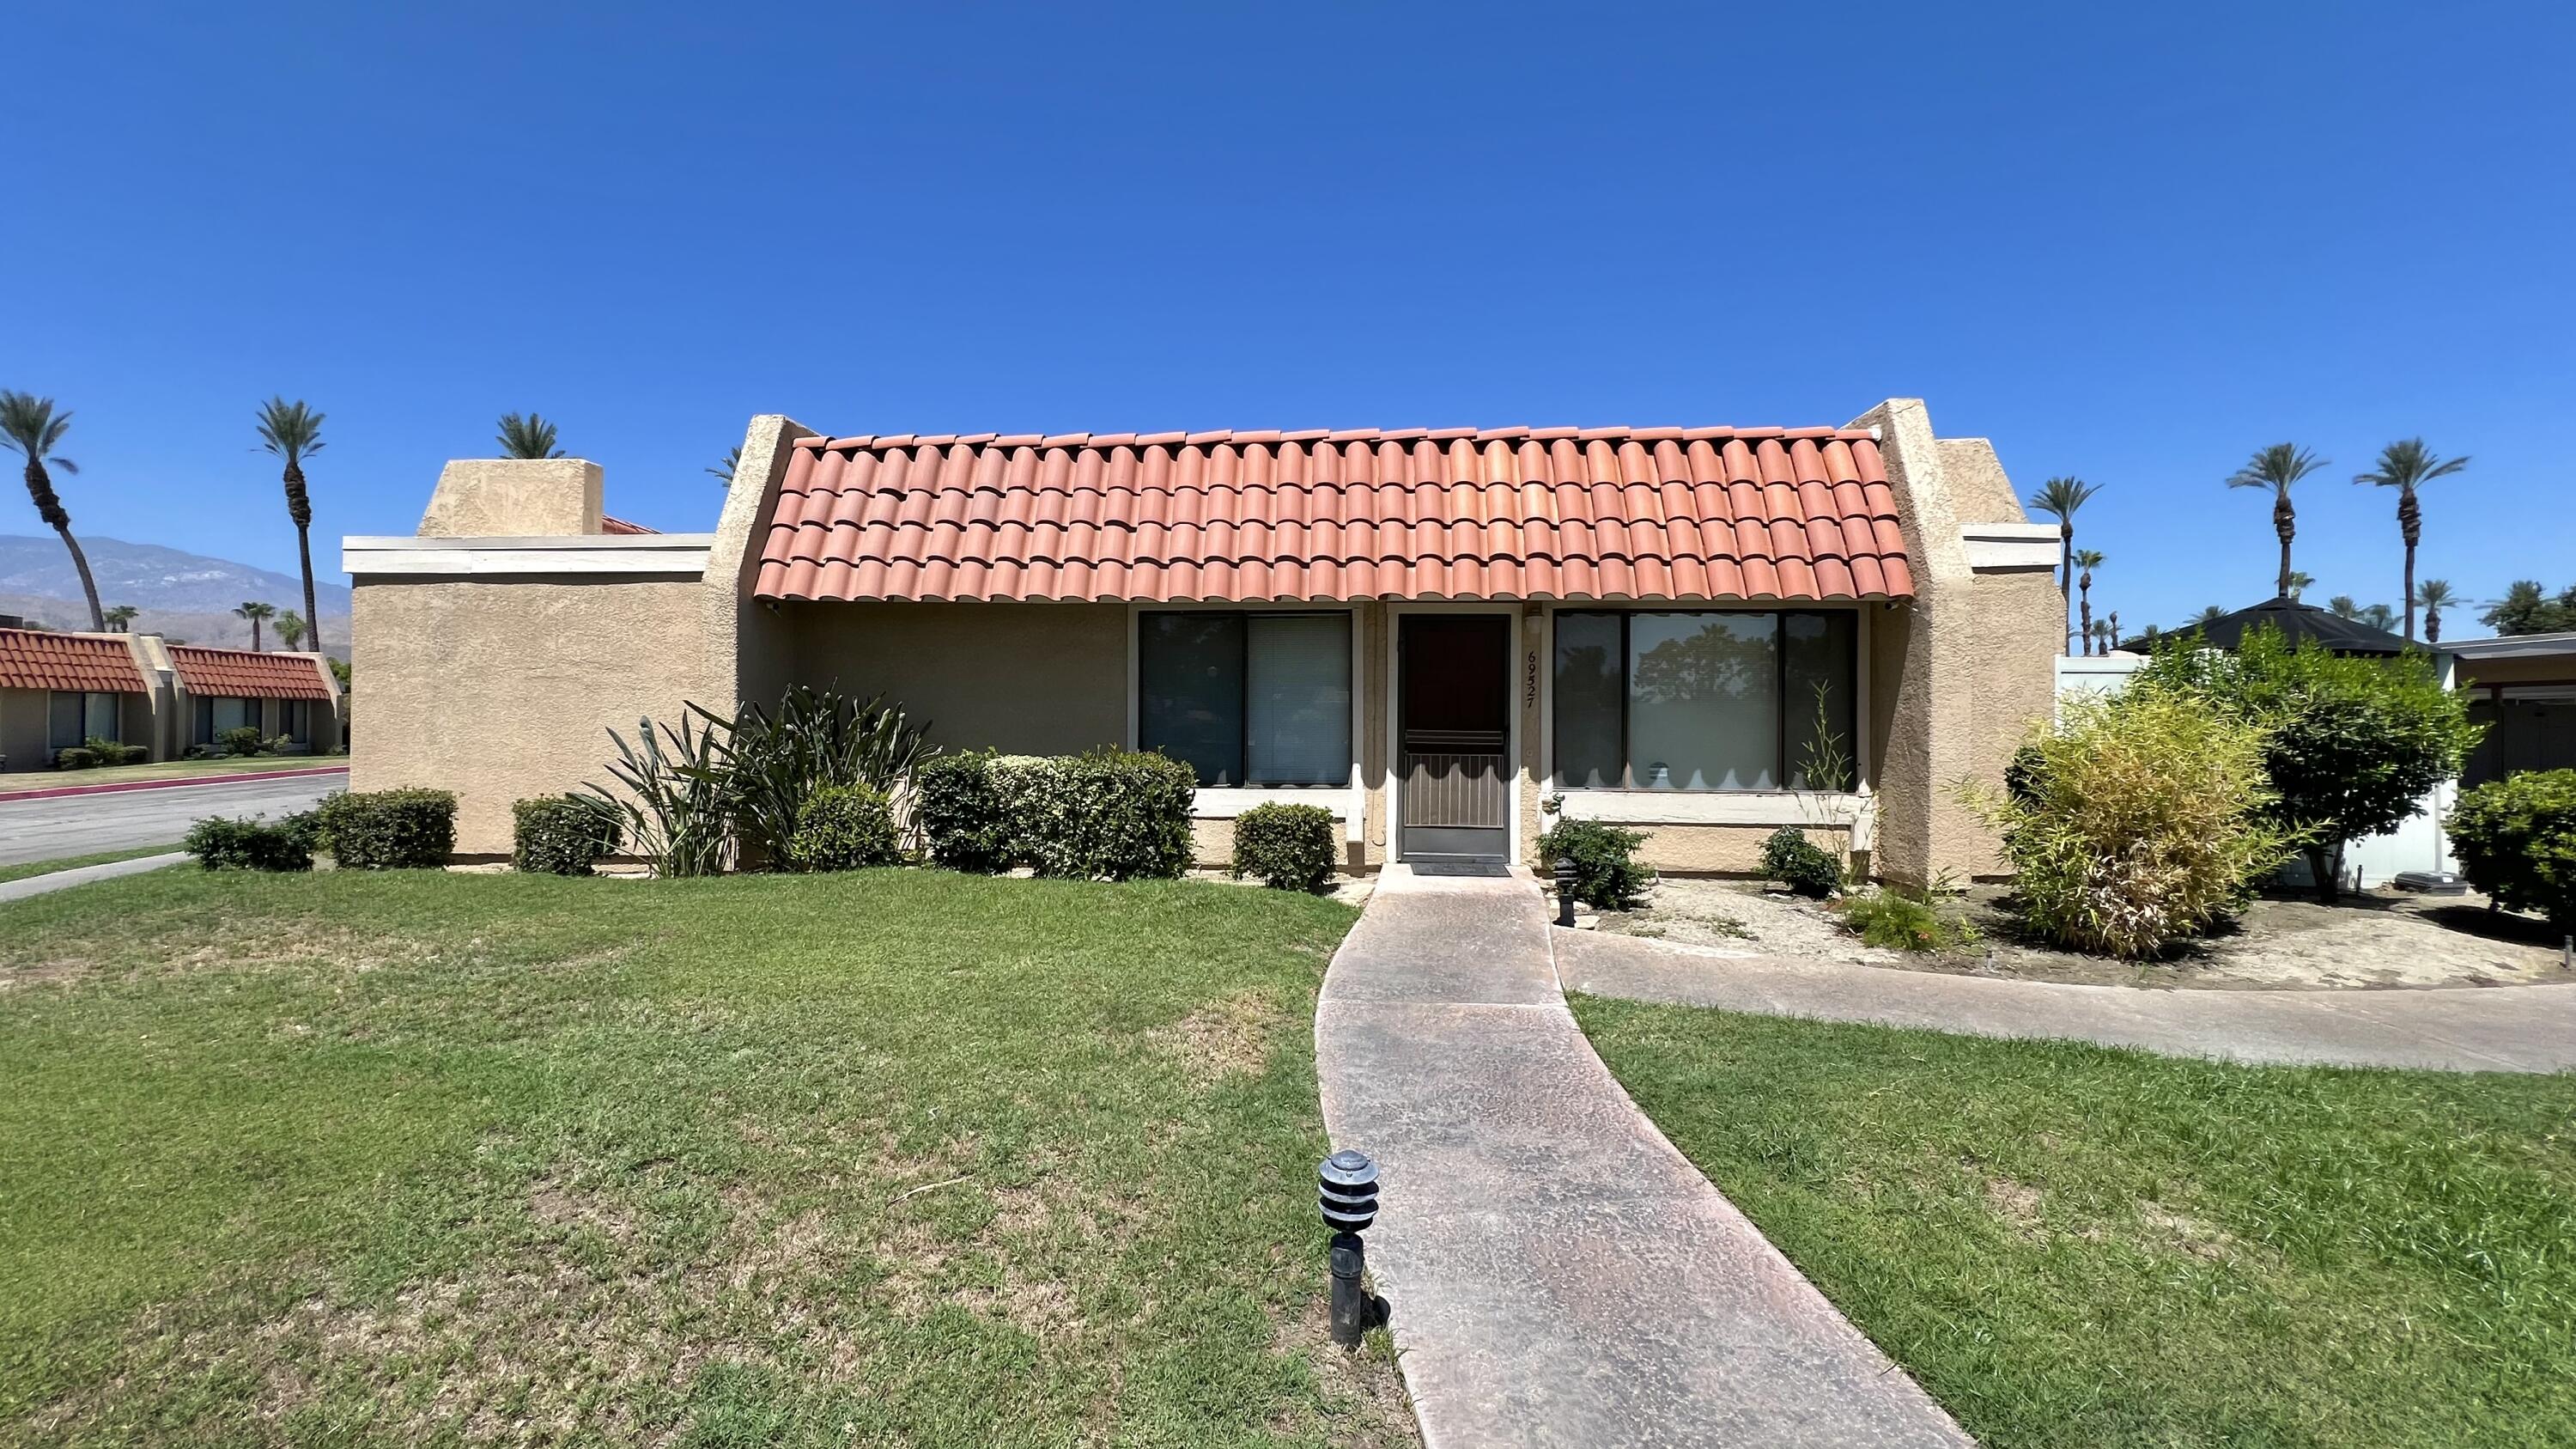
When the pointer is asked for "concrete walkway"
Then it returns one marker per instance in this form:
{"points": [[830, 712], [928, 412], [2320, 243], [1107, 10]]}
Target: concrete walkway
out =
{"points": [[60, 880], [2469, 1029], [1560, 1274]]}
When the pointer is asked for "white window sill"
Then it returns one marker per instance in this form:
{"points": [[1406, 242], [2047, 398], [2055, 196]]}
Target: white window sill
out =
{"points": [[1715, 807], [1347, 802]]}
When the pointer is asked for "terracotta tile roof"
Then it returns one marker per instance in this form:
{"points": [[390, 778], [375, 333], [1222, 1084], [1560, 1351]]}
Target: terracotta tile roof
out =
{"points": [[241, 674], [1460, 513], [620, 525], [35, 659]]}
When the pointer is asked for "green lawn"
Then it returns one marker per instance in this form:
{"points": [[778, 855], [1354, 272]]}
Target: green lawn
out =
{"points": [[2070, 1245], [897, 1157], [26, 868], [21, 783]]}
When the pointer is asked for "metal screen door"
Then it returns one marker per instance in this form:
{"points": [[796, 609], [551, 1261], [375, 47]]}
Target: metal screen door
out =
{"points": [[1453, 721]]}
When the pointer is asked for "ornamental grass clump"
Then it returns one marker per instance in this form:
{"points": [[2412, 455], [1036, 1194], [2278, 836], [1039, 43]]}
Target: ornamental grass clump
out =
{"points": [[2137, 821]]}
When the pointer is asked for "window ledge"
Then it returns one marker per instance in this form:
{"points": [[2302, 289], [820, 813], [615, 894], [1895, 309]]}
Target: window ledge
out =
{"points": [[1347, 802], [1818, 808]]}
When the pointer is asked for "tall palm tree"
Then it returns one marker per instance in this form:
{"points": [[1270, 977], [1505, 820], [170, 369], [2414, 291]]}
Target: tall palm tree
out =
{"points": [[30, 425], [2378, 616], [723, 472], [2276, 468], [2059, 498], [528, 437], [294, 432], [2433, 596], [2296, 584], [2115, 632], [291, 630], [121, 618], [2342, 607], [2406, 465], [2087, 559], [255, 612], [2209, 615]]}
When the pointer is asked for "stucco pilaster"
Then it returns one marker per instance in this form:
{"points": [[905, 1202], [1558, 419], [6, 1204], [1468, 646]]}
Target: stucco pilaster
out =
{"points": [[748, 648]]}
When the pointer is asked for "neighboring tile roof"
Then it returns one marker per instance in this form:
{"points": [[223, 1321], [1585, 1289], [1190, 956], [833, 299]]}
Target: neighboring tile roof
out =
{"points": [[241, 674], [36, 659], [620, 525], [1565, 513]]}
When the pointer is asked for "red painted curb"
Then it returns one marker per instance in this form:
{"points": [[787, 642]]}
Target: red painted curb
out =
{"points": [[183, 781]]}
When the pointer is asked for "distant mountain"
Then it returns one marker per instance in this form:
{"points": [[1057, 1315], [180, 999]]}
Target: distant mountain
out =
{"points": [[185, 595]]}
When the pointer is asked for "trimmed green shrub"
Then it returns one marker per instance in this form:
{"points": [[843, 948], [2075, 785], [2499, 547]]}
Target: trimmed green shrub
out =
{"points": [[1607, 876], [844, 827], [1108, 814], [241, 740], [562, 834], [76, 757], [1805, 867], [2516, 839], [1905, 919], [773, 763], [1288, 847], [110, 752], [967, 808], [221, 844], [388, 829], [2147, 818]]}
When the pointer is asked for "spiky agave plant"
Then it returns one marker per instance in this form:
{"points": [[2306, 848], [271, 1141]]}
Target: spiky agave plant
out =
{"points": [[293, 432], [30, 426]]}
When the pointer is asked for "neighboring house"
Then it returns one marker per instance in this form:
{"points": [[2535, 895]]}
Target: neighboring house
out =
{"points": [[2523, 688], [60, 690], [1431, 634]]}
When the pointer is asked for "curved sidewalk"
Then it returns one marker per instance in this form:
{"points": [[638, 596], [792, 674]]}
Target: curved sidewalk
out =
{"points": [[1560, 1274], [2466, 1029]]}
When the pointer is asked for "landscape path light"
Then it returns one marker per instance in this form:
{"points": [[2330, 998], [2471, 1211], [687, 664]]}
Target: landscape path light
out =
{"points": [[1347, 1194]]}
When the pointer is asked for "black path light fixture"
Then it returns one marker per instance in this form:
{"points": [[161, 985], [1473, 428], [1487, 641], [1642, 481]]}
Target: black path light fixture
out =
{"points": [[1564, 890], [1347, 1193]]}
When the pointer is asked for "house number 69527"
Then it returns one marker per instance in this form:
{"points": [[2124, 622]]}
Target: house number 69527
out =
{"points": [[1529, 680]]}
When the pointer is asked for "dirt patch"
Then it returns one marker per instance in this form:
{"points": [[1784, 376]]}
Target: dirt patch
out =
{"points": [[2017, 1204], [1363, 1385], [1228, 1037], [2371, 940], [1350, 890]]}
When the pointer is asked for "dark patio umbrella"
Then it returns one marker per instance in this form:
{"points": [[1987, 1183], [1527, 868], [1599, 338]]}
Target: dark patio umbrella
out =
{"points": [[2297, 622]]}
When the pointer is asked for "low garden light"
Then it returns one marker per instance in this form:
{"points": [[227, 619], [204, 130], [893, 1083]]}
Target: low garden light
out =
{"points": [[1564, 891], [1347, 1194]]}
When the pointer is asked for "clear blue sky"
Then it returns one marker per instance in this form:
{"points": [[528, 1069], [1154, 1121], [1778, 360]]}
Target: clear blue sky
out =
{"points": [[2128, 243]]}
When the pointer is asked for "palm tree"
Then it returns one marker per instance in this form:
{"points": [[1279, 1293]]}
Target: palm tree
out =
{"points": [[2433, 596], [2059, 498], [30, 425], [2276, 468], [723, 472], [291, 630], [2088, 560], [2378, 616], [121, 618], [528, 437], [2406, 465], [2296, 584], [255, 612], [2342, 607], [2207, 616], [2115, 632], [2097, 637], [294, 432]]}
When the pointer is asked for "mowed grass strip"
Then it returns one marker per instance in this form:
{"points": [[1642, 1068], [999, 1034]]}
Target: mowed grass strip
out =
{"points": [[2069, 1245], [894, 1157], [27, 868]]}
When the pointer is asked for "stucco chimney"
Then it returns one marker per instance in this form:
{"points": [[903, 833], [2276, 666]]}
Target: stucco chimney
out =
{"points": [[514, 498]]}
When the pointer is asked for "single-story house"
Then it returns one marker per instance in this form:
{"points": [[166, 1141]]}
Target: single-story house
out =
{"points": [[1440, 635], [2523, 688], [60, 690]]}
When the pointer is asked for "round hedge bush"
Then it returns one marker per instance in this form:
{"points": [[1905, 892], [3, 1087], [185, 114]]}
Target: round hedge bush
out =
{"points": [[844, 827], [561, 834], [1286, 847]]}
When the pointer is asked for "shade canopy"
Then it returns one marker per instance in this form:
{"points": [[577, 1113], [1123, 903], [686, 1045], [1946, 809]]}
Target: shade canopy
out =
{"points": [[2298, 623]]}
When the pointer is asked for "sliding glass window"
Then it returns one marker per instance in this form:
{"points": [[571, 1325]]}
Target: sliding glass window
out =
{"points": [[1705, 700], [1247, 699]]}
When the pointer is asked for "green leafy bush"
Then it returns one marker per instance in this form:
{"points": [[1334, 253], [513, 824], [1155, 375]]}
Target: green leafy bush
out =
{"points": [[388, 829], [2351, 744], [1906, 919], [76, 757], [1805, 867], [562, 834], [844, 827], [241, 740], [1607, 876], [221, 844], [818, 739], [110, 752], [1287, 847], [967, 808], [2516, 839], [1109, 814], [2143, 819]]}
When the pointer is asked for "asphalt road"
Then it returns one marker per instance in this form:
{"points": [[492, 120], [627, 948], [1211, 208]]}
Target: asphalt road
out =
{"points": [[90, 824]]}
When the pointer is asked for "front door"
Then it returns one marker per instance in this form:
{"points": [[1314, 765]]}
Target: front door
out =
{"points": [[1453, 722]]}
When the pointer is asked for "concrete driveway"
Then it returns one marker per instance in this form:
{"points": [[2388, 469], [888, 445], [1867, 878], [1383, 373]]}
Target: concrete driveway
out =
{"points": [[64, 825]]}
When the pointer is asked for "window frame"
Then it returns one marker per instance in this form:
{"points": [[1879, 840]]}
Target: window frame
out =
{"points": [[1353, 769], [1863, 759]]}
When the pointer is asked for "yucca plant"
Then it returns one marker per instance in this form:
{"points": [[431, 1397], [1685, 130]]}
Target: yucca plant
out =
{"points": [[672, 796], [818, 739]]}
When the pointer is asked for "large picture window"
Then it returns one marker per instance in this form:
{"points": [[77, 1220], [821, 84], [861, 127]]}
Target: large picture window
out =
{"points": [[74, 719], [1247, 698], [218, 713], [1706, 700]]}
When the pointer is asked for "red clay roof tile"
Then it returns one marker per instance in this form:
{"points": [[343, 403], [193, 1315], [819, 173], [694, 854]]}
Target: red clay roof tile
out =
{"points": [[37, 659], [1500, 513], [241, 674]]}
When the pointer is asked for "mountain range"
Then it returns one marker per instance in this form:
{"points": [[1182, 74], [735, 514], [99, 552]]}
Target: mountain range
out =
{"points": [[184, 595]]}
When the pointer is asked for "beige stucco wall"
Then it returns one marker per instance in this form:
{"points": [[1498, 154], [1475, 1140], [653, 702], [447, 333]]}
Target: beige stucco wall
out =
{"points": [[514, 498], [505, 690], [1720, 849], [1026, 679]]}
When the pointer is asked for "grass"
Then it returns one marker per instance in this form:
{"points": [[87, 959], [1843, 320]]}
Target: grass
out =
{"points": [[2072, 1245], [900, 1157], [26, 868], [166, 770]]}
